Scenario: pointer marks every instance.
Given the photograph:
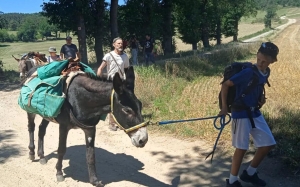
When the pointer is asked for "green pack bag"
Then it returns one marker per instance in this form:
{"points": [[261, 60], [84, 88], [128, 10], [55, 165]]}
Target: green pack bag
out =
{"points": [[43, 97], [56, 67]]}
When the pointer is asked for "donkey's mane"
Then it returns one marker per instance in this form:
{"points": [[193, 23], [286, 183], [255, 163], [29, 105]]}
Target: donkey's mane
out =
{"points": [[95, 77]]}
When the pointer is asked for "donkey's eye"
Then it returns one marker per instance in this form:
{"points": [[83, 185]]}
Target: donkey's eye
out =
{"points": [[127, 110]]}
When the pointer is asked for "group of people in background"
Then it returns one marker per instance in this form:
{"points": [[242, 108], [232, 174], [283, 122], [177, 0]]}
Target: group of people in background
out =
{"points": [[68, 50], [149, 49]]}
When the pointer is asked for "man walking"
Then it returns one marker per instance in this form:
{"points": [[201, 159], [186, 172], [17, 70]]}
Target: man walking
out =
{"points": [[69, 50]]}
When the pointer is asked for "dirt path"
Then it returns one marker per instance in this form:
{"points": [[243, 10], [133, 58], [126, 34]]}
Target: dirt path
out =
{"points": [[279, 28], [164, 161]]}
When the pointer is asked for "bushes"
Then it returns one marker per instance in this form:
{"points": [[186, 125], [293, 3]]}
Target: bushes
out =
{"points": [[5, 37]]}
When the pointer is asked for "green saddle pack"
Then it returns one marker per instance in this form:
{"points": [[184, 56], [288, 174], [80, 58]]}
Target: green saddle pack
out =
{"points": [[43, 97], [44, 94], [56, 67]]}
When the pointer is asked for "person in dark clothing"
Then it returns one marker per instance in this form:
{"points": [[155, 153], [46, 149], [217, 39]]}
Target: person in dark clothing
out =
{"points": [[134, 48], [69, 50], [148, 49]]}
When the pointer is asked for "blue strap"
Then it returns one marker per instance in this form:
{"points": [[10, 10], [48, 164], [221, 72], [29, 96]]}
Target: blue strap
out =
{"points": [[222, 123]]}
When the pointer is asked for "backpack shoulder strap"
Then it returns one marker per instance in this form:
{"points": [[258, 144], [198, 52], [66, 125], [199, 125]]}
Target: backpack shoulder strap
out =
{"points": [[252, 84]]}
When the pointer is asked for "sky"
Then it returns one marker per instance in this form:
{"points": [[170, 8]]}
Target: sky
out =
{"points": [[26, 6]]}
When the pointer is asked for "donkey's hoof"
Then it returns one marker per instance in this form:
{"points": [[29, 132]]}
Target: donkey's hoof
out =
{"points": [[43, 161], [99, 184], [60, 178], [31, 157]]}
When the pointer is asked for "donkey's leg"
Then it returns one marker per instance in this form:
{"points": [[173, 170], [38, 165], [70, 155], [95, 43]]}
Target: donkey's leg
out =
{"points": [[42, 132], [63, 133], [90, 156], [31, 127]]}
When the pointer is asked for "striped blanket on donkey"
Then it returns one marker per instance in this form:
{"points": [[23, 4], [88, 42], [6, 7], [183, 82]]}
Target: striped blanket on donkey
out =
{"points": [[44, 93]]}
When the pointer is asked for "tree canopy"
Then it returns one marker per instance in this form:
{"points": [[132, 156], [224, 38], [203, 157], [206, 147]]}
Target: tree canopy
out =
{"points": [[97, 22]]}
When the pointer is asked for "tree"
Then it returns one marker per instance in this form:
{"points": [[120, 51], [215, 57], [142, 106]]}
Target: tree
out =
{"points": [[3, 21], [236, 10], [28, 30], [192, 21], [167, 6], [69, 15], [114, 19], [271, 13], [44, 28]]}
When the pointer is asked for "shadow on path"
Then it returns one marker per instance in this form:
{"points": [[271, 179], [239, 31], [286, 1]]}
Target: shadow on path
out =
{"points": [[7, 148], [110, 167]]}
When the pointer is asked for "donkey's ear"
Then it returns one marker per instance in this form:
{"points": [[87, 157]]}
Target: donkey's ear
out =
{"points": [[129, 72], [130, 79], [118, 84]]}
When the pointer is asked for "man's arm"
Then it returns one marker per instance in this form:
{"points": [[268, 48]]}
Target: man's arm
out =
{"points": [[224, 93], [102, 66], [77, 53], [62, 56]]}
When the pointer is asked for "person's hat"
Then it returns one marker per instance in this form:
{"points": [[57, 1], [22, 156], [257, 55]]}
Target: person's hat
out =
{"points": [[270, 49], [68, 38], [52, 49]]}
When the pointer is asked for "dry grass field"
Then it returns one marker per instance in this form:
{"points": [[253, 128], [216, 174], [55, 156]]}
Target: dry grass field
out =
{"points": [[244, 30], [189, 87]]}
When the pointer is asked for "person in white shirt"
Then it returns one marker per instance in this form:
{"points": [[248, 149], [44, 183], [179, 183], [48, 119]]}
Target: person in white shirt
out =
{"points": [[115, 61], [53, 56]]}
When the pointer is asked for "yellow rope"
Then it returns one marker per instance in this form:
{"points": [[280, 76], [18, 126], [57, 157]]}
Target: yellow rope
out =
{"points": [[122, 128]]}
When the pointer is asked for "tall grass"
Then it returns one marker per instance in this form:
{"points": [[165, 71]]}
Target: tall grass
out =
{"points": [[187, 88]]}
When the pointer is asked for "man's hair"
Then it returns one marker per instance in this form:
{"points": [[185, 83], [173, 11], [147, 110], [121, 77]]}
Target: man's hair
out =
{"points": [[117, 38], [148, 35]]}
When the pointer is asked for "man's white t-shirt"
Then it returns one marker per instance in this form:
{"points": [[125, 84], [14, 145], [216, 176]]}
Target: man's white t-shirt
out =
{"points": [[112, 67]]}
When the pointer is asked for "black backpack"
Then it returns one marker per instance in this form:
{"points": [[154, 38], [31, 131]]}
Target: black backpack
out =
{"points": [[233, 69]]}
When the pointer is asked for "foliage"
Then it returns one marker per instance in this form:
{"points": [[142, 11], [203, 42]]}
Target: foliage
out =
{"points": [[28, 30], [236, 9], [189, 19], [141, 18], [3, 21], [263, 4], [271, 13], [6, 37]]}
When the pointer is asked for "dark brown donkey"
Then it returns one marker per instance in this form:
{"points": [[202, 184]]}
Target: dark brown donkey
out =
{"points": [[89, 97], [28, 61]]}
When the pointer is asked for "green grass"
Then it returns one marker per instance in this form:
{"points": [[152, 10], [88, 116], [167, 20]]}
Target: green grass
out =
{"points": [[19, 48], [12, 32], [282, 11], [255, 34], [294, 16]]}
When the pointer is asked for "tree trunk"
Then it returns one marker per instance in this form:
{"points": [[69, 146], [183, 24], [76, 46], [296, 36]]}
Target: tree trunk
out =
{"points": [[205, 36], [99, 32], [167, 38], [114, 19], [236, 28], [194, 46], [82, 40], [204, 26], [219, 32]]}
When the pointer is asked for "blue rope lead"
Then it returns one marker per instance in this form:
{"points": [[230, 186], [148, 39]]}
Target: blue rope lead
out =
{"points": [[223, 123]]}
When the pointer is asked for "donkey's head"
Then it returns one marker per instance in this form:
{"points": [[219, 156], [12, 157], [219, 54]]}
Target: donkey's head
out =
{"points": [[126, 109]]}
